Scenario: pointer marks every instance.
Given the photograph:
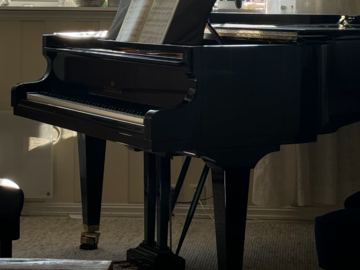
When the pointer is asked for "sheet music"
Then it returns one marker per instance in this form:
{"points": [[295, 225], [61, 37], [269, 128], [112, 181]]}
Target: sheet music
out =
{"points": [[134, 20], [118, 20], [158, 21]]}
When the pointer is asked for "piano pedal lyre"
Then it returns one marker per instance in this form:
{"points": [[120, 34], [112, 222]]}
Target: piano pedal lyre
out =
{"points": [[90, 237]]}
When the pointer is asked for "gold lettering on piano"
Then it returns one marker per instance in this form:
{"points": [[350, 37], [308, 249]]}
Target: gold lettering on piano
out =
{"points": [[110, 89]]}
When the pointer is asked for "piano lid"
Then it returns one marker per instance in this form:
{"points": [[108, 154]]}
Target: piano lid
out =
{"points": [[284, 11], [284, 26], [293, 33]]}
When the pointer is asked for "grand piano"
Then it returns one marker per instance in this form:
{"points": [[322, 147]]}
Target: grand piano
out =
{"points": [[273, 80]]}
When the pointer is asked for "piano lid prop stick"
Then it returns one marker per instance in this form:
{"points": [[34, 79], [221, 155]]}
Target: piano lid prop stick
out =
{"points": [[193, 205], [214, 33], [180, 182]]}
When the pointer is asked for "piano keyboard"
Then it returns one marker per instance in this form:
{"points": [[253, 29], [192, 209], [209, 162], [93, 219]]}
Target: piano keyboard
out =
{"points": [[84, 106]]}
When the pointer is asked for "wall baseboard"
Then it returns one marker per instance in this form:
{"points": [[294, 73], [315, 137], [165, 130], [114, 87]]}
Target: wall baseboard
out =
{"points": [[136, 210]]}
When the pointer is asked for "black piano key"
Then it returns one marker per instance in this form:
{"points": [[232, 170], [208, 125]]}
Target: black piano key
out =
{"points": [[121, 106]]}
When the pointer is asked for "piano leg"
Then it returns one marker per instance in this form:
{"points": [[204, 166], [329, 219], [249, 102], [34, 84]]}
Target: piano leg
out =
{"points": [[91, 163], [157, 194], [230, 191], [149, 199], [163, 185]]}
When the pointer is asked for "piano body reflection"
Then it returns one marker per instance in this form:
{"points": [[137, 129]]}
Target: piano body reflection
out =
{"points": [[228, 104]]}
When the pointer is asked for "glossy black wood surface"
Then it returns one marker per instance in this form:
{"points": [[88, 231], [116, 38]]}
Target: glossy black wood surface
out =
{"points": [[277, 93]]}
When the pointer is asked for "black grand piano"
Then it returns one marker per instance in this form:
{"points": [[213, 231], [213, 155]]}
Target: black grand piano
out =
{"points": [[273, 80]]}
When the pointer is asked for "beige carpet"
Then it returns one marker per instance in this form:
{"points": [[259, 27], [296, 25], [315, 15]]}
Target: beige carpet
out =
{"points": [[269, 245]]}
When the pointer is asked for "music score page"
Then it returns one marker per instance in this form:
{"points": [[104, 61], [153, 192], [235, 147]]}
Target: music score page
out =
{"points": [[134, 20], [158, 22], [147, 21]]}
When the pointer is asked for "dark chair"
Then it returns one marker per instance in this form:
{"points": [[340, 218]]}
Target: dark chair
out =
{"points": [[337, 236], [353, 201]]}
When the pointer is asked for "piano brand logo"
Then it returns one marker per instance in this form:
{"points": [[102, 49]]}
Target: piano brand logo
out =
{"points": [[112, 89]]}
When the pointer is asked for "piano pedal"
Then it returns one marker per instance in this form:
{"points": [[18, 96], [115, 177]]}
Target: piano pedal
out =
{"points": [[150, 258], [89, 240]]}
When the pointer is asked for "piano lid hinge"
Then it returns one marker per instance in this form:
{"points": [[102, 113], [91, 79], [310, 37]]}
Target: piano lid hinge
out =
{"points": [[190, 94], [192, 89]]}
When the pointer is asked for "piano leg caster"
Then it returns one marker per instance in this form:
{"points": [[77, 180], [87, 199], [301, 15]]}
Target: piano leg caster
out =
{"points": [[89, 240], [154, 259]]}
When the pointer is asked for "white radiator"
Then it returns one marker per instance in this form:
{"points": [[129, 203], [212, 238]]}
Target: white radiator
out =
{"points": [[26, 154]]}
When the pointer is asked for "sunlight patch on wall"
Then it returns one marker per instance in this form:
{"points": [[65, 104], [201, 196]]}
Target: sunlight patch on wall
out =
{"points": [[35, 142]]}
